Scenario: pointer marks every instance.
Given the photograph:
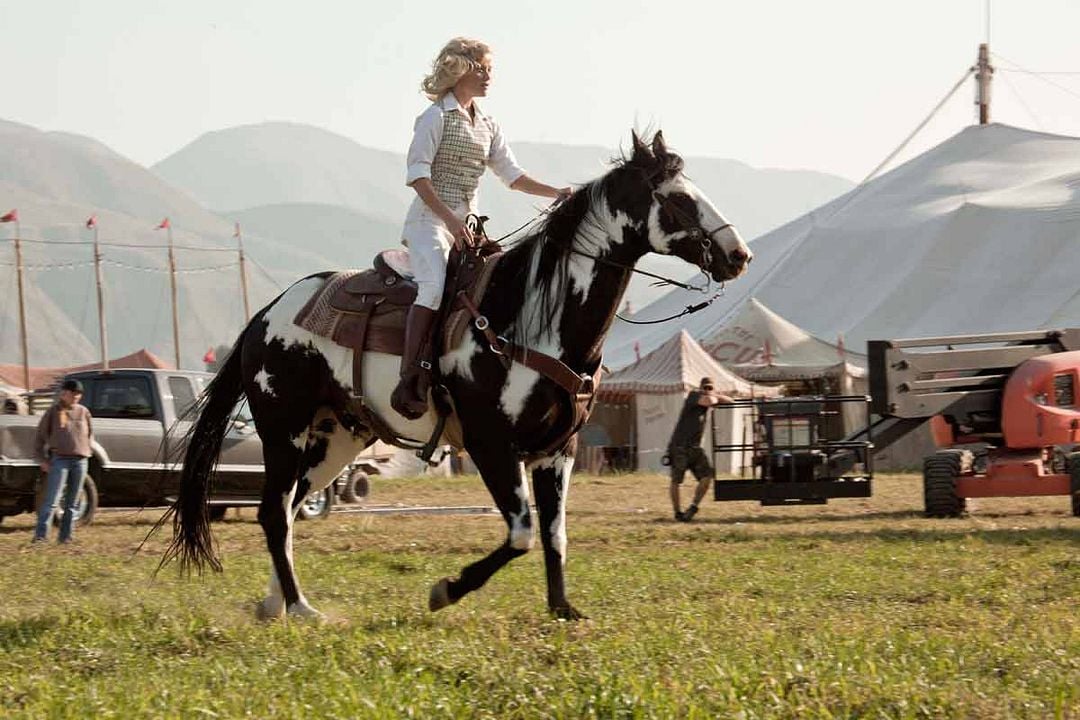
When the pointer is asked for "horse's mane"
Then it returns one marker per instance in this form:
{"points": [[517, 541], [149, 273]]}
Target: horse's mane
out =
{"points": [[550, 246]]}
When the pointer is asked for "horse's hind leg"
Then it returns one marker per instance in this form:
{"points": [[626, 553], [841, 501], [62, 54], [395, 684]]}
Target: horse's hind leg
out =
{"points": [[551, 482], [276, 511], [504, 476], [328, 448]]}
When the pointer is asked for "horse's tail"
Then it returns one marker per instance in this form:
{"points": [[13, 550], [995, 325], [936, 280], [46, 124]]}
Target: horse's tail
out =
{"points": [[193, 543]]}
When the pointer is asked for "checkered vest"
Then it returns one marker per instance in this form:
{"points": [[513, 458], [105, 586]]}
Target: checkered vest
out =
{"points": [[461, 158]]}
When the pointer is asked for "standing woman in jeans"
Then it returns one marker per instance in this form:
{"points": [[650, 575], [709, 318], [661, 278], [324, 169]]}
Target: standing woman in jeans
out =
{"points": [[62, 448], [453, 143]]}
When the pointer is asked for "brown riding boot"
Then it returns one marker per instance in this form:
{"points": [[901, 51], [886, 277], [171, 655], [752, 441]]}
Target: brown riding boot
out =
{"points": [[410, 396]]}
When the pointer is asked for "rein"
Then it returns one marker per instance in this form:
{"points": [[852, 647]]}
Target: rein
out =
{"points": [[692, 227]]}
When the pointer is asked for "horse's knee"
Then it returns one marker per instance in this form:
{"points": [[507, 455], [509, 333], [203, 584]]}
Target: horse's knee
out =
{"points": [[521, 537]]}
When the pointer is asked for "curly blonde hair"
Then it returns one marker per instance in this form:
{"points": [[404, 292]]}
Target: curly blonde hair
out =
{"points": [[457, 57]]}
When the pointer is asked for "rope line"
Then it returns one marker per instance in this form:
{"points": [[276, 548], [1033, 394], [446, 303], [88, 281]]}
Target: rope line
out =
{"points": [[1040, 76], [139, 246], [968, 73]]}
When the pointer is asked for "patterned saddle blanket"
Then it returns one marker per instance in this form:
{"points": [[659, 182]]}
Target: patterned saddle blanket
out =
{"points": [[365, 310]]}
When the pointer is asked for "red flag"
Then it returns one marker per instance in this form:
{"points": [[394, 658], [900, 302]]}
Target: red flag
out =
{"points": [[91, 222], [209, 357], [12, 216], [164, 224]]}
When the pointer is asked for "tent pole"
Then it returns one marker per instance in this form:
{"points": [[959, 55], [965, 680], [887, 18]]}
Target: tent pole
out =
{"points": [[103, 337], [983, 75], [22, 306]]}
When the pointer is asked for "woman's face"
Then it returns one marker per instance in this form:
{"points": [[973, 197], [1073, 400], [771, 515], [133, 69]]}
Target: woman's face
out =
{"points": [[475, 82]]}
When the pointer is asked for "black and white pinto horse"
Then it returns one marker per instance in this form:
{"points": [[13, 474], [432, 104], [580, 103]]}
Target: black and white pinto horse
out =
{"points": [[556, 291]]}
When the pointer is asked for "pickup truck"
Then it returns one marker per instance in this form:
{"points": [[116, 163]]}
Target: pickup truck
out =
{"points": [[137, 425]]}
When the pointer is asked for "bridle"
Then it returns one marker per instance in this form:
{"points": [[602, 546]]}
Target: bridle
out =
{"points": [[692, 228]]}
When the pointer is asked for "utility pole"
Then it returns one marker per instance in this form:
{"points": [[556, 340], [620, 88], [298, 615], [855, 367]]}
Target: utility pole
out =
{"points": [[984, 72], [102, 335], [243, 273]]}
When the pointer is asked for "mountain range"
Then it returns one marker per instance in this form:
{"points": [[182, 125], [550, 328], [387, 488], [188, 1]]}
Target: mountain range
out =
{"points": [[305, 199]]}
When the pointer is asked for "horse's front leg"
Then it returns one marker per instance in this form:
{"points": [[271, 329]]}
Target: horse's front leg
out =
{"points": [[551, 482], [504, 476]]}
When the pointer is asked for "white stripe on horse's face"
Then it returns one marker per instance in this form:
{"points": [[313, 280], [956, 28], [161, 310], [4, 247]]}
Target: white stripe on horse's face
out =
{"points": [[280, 327], [263, 379], [521, 531]]}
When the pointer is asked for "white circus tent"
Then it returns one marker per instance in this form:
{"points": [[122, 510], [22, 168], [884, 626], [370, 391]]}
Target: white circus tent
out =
{"points": [[978, 234]]}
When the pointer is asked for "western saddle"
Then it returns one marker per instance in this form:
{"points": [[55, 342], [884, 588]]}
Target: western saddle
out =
{"points": [[365, 310]]}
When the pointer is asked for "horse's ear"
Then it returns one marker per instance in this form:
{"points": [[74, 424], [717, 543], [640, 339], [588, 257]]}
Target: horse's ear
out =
{"points": [[640, 153], [659, 147]]}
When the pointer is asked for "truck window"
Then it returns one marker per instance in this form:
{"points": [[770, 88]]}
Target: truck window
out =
{"points": [[183, 394], [122, 397]]}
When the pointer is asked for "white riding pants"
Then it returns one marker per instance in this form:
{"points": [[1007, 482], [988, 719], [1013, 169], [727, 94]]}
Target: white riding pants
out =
{"points": [[429, 243]]}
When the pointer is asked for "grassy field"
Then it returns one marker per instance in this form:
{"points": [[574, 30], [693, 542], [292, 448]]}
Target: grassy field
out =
{"points": [[857, 609]]}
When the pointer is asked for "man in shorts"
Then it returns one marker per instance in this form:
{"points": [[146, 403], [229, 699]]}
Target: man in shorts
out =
{"points": [[684, 448]]}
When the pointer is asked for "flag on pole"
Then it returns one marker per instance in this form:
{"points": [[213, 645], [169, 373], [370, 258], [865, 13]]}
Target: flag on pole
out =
{"points": [[236, 232], [12, 216], [91, 222], [840, 346], [210, 356], [164, 224], [637, 350], [767, 353]]}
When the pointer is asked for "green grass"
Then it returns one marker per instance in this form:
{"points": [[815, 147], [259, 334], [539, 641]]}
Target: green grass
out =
{"points": [[859, 609]]}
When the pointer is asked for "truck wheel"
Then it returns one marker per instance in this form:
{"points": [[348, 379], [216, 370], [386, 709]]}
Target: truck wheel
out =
{"points": [[1074, 482], [355, 487], [940, 471], [316, 504]]}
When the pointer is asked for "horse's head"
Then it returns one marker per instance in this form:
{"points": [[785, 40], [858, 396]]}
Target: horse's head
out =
{"points": [[680, 220]]}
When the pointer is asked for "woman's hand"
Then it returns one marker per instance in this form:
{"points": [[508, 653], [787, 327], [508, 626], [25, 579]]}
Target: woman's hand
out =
{"points": [[563, 194], [463, 236]]}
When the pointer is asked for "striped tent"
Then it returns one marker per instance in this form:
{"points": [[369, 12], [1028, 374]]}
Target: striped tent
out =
{"points": [[639, 405]]}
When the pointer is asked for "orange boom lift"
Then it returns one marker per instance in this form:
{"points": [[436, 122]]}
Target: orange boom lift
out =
{"points": [[1009, 397]]}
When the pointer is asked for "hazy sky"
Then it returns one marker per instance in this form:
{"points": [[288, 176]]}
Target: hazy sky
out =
{"points": [[831, 85]]}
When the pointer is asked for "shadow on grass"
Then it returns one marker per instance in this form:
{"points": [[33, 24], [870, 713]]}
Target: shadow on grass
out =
{"points": [[23, 633], [795, 519], [1017, 537]]}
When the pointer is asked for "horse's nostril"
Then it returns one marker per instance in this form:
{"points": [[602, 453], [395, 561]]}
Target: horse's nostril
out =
{"points": [[740, 256]]}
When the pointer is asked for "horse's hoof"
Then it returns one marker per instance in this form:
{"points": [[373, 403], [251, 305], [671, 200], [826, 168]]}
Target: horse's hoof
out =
{"points": [[440, 595], [265, 614], [568, 612], [303, 611]]}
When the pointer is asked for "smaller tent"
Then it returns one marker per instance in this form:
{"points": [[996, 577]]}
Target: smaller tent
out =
{"points": [[760, 345], [651, 393]]}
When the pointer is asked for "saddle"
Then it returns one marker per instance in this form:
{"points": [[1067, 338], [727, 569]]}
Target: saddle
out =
{"points": [[366, 310]]}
